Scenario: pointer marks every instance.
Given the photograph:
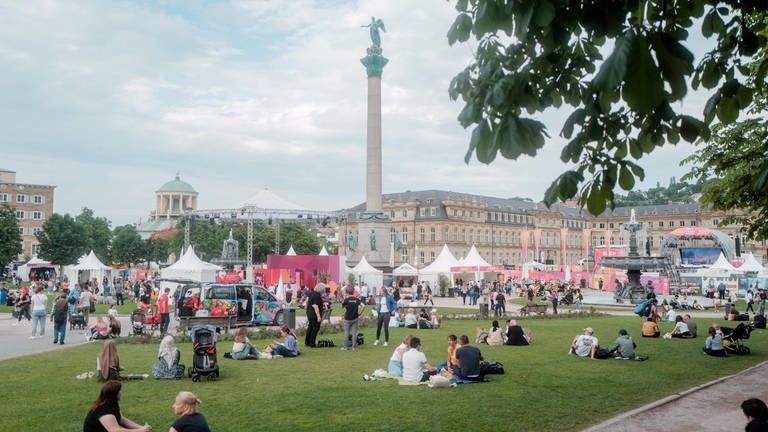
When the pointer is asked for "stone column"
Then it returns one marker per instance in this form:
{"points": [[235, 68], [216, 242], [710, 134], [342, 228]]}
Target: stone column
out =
{"points": [[373, 147]]}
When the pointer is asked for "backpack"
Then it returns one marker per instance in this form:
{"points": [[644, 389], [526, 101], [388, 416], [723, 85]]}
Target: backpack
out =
{"points": [[60, 311], [640, 309], [492, 368], [325, 343]]}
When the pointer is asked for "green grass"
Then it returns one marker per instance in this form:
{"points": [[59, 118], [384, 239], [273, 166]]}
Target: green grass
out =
{"points": [[543, 389]]}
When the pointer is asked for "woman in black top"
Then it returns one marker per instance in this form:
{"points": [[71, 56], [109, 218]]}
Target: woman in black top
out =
{"points": [[185, 405], [104, 415], [515, 334]]}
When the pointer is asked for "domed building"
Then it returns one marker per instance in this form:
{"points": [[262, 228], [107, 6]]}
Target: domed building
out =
{"points": [[171, 200]]}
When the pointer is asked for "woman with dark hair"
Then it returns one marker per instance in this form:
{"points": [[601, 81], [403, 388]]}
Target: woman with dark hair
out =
{"points": [[515, 334], [289, 347], [495, 336], [104, 415], [756, 413], [714, 344]]}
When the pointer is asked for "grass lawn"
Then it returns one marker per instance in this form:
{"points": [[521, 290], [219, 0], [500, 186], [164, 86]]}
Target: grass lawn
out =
{"points": [[543, 388]]}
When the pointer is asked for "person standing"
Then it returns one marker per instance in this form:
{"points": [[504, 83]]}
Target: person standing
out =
{"points": [[721, 290], [185, 405], [22, 304], [352, 308], [750, 299], [39, 311], [59, 318], [499, 308], [119, 293], [164, 311], [386, 305], [314, 314], [84, 304], [554, 301], [428, 295]]}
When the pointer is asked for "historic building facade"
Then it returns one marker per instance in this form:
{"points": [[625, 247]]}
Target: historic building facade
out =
{"points": [[513, 231], [33, 205], [172, 199]]}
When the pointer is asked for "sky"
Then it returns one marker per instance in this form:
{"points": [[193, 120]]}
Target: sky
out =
{"points": [[107, 100]]}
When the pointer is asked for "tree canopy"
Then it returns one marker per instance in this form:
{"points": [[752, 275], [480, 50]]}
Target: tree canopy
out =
{"points": [[10, 239], [62, 240], [127, 246], [98, 235], [532, 56]]}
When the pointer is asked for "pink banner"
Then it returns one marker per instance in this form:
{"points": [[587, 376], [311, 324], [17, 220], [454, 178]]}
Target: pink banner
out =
{"points": [[586, 239], [607, 235], [524, 244], [563, 239], [536, 242], [306, 270]]}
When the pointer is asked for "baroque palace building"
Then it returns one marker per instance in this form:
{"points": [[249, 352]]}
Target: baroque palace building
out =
{"points": [[514, 231], [33, 205]]}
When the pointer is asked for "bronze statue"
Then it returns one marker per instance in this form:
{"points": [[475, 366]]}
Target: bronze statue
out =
{"points": [[374, 27]]}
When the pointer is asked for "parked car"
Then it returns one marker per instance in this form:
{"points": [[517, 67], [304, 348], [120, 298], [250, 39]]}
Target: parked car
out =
{"points": [[245, 303]]}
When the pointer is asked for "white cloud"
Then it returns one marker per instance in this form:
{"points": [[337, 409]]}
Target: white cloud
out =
{"points": [[107, 99]]}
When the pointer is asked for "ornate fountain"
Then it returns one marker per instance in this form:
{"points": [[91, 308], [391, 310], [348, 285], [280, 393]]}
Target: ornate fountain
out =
{"points": [[634, 264]]}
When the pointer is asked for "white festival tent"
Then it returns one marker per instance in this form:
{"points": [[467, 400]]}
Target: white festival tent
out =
{"points": [[441, 265], [722, 265], [567, 273], [191, 267], [323, 252], [751, 264], [35, 262], [405, 270], [473, 259], [368, 274], [290, 252], [87, 268], [527, 267]]}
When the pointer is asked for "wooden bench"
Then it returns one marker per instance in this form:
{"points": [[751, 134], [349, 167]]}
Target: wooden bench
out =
{"points": [[539, 309]]}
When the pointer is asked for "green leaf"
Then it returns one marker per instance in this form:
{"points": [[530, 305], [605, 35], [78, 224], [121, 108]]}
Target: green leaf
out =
{"points": [[634, 149], [626, 179], [568, 184], [691, 128], [522, 17], [544, 14], [460, 29], [467, 115], [614, 68], [675, 62], [621, 150], [461, 5], [506, 135], [481, 141], [596, 199], [550, 196], [643, 88], [728, 110], [576, 117]]}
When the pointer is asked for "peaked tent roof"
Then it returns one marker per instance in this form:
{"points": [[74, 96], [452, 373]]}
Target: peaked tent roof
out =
{"points": [[442, 264], [265, 199], [405, 270], [364, 268], [37, 262], [190, 261], [751, 264], [290, 252], [474, 259], [91, 262], [323, 252], [723, 264]]}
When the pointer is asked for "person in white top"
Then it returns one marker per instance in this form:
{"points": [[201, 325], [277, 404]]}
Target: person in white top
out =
{"points": [[84, 304], [39, 312], [415, 365], [681, 330], [585, 344]]}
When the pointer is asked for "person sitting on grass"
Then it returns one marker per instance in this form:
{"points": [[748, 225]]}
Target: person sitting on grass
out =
{"points": [[101, 330], [481, 336], [470, 360], [495, 335], [424, 319], [415, 366], [410, 320], [713, 346], [585, 345], [650, 329], [289, 347], [696, 305], [185, 405], [108, 362], [680, 330], [242, 349], [436, 320], [169, 356], [395, 366], [623, 347], [515, 334], [104, 414], [692, 327]]}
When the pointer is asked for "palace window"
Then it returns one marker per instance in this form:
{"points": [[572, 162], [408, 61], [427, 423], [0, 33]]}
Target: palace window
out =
{"points": [[405, 235], [432, 234], [422, 235]]}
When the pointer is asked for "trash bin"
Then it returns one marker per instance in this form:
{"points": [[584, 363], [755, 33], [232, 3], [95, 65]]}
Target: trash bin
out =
{"points": [[289, 317], [484, 310]]}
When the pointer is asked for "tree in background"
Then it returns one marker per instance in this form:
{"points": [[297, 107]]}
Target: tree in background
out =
{"points": [[62, 240], [127, 246], [303, 239], [98, 235], [10, 239], [532, 56]]}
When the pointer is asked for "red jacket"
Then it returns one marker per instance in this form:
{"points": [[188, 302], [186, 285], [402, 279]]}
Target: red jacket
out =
{"points": [[162, 304]]}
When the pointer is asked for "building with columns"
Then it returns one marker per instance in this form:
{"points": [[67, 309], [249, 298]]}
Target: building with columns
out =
{"points": [[172, 199], [514, 231]]}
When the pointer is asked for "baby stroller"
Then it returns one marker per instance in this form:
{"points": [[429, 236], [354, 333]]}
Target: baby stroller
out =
{"points": [[733, 339], [204, 360], [76, 321], [152, 318], [137, 322]]}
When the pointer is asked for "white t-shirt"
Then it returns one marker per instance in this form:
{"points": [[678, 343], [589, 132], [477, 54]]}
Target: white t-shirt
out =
{"points": [[383, 303], [112, 312], [396, 355], [671, 315], [584, 344], [410, 319], [681, 327], [413, 359], [85, 298], [39, 301]]}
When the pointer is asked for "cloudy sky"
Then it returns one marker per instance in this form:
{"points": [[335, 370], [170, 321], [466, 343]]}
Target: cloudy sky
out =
{"points": [[108, 99]]}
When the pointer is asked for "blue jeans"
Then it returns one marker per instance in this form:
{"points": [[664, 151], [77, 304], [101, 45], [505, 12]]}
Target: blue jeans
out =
{"points": [[280, 349], [38, 316], [350, 327], [242, 355], [59, 331]]}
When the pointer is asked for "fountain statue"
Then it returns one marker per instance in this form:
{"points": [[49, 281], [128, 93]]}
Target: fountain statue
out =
{"points": [[634, 264]]}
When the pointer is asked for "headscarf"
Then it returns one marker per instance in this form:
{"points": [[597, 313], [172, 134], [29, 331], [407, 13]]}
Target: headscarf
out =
{"points": [[108, 358], [167, 350]]}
